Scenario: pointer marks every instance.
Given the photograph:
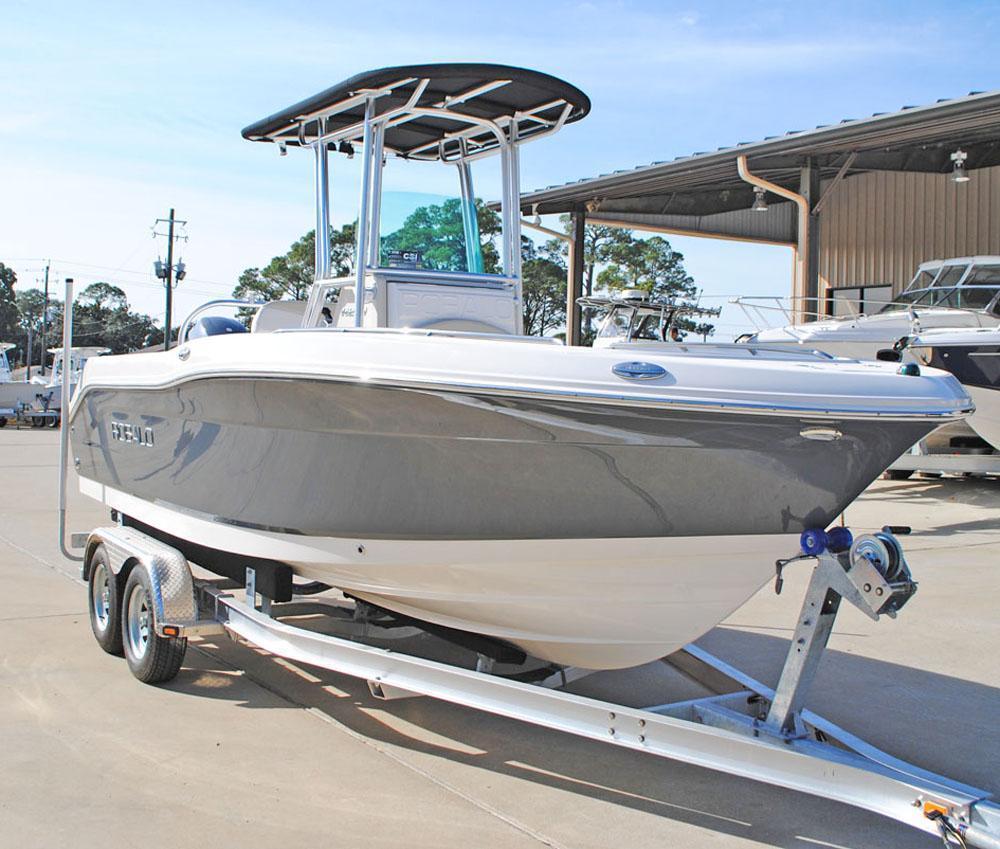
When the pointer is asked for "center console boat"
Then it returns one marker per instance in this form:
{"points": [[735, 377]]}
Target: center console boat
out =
{"points": [[398, 438]]}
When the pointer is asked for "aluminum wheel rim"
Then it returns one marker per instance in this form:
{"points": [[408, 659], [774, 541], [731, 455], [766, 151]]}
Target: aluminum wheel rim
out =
{"points": [[139, 622], [100, 596]]}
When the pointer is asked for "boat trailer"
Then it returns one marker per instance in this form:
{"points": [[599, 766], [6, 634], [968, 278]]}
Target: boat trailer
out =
{"points": [[145, 603]]}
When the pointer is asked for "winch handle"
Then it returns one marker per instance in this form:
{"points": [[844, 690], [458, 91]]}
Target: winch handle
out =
{"points": [[897, 530]]}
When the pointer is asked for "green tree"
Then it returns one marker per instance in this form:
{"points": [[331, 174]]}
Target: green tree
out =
{"points": [[438, 233], [9, 313], [289, 276], [597, 238], [543, 279], [103, 296], [30, 303], [102, 317]]}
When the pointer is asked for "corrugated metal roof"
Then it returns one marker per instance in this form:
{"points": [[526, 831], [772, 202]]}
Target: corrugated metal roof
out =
{"points": [[915, 138]]}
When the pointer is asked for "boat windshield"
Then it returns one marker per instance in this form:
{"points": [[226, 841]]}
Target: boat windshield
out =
{"points": [[945, 287], [430, 233], [625, 322], [978, 290]]}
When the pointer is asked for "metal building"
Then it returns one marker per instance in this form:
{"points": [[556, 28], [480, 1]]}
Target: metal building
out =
{"points": [[861, 202]]}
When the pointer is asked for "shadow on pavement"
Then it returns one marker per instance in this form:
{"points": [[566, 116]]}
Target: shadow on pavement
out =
{"points": [[939, 722]]}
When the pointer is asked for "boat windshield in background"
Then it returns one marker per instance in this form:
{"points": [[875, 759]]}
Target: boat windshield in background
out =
{"points": [[634, 317], [959, 284]]}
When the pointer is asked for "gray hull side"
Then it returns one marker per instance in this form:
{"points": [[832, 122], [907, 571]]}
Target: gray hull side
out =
{"points": [[347, 460]]}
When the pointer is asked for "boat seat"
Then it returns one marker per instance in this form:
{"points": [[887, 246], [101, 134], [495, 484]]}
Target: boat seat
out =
{"points": [[278, 315]]}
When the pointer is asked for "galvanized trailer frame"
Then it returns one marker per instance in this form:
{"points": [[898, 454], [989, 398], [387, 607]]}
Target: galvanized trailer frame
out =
{"points": [[920, 460], [755, 732]]}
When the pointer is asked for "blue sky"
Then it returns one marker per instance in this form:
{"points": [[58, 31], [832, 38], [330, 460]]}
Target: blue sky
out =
{"points": [[110, 113]]}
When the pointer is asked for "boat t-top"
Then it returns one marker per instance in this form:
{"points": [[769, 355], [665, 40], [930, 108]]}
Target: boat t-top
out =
{"points": [[634, 317], [398, 438]]}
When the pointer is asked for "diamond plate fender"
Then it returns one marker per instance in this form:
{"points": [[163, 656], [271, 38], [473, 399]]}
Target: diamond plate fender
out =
{"points": [[168, 570]]}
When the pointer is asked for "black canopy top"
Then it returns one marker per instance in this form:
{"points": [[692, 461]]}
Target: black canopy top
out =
{"points": [[502, 94]]}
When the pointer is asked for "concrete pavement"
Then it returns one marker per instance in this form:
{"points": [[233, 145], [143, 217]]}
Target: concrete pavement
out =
{"points": [[245, 749]]}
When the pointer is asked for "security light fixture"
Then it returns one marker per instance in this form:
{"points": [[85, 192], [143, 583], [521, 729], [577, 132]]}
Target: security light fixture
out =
{"points": [[282, 149], [537, 220], [346, 147], [759, 202], [958, 172]]}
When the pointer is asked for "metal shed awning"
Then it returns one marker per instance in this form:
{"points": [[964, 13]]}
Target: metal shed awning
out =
{"points": [[913, 139]]}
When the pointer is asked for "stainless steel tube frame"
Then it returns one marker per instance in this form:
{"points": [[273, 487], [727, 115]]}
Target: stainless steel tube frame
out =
{"points": [[364, 219], [64, 415], [322, 248]]}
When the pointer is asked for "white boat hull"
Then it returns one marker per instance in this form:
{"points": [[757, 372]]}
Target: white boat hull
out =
{"points": [[594, 603], [986, 420]]}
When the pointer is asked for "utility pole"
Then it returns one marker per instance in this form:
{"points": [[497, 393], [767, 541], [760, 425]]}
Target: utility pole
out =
{"points": [[166, 273], [45, 315], [169, 281]]}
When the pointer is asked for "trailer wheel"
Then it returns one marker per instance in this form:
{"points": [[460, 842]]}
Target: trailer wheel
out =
{"points": [[37, 421], [3, 421], [898, 474], [105, 603], [54, 421], [151, 658]]}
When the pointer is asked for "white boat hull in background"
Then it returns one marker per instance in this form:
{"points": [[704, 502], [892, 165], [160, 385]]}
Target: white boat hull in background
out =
{"points": [[986, 419]]}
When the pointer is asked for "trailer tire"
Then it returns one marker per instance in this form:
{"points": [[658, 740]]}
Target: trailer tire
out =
{"points": [[898, 474], [104, 593], [54, 421], [3, 421], [151, 658]]}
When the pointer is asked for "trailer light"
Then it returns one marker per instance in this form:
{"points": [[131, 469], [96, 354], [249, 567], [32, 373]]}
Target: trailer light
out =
{"points": [[171, 631], [932, 810]]}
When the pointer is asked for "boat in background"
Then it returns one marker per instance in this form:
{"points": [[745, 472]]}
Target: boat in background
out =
{"points": [[48, 390], [973, 356], [15, 395], [397, 437], [963, 292], [634, 317]]}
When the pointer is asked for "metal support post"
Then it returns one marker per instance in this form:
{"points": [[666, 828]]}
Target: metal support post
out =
{"points": [[64, 445], [574, 290], [819, 611], [809, 188], [507, 211], [514, 173], [168, 282], [378, 164], [363, 216], [322, 253], [45, 320], [251, 588], [470, 223]]}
